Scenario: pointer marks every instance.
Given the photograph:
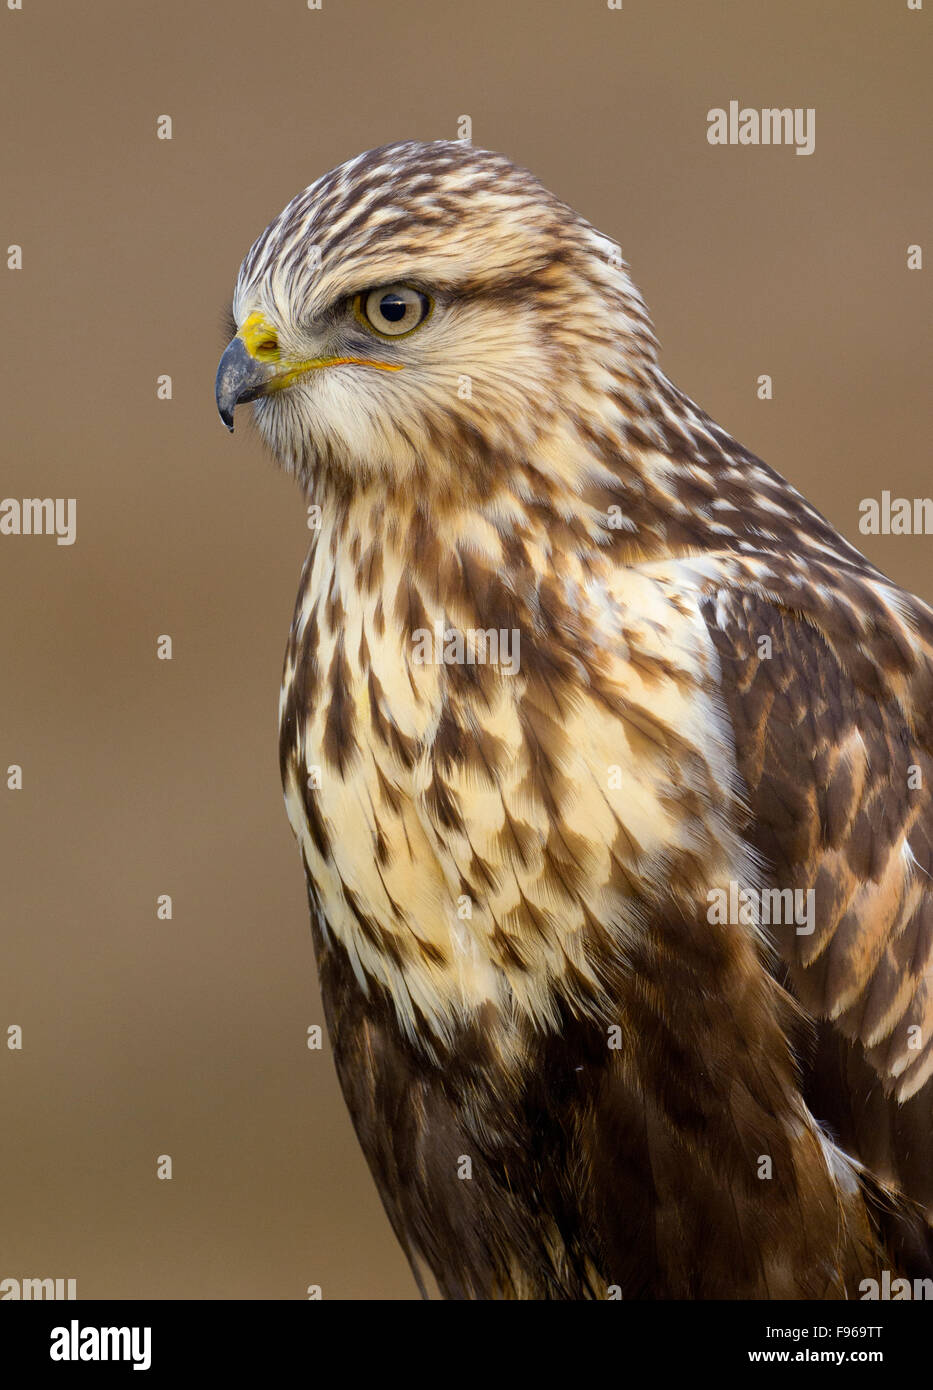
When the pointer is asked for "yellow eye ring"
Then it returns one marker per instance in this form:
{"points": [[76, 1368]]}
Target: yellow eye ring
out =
{"points": [[392, 311]]}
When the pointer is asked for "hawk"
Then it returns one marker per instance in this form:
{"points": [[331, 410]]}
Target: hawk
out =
{"points": [[625, 941]]}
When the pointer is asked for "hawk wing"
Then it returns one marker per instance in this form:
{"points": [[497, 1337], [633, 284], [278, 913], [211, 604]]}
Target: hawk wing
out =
{"points": [[829, 686]]}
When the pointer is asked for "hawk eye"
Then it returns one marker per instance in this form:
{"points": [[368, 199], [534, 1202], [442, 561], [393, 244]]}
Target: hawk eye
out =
{"points": [[392, 310]]}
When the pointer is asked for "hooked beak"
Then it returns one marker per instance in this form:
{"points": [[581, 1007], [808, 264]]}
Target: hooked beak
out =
{"points": [[240, 378], [253, 365]]}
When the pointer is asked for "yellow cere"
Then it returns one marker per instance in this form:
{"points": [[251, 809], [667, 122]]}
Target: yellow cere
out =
{"points": [[261, 341]]}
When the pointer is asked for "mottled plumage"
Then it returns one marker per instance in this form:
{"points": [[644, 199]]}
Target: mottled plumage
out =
{"points": [[510, 875]]}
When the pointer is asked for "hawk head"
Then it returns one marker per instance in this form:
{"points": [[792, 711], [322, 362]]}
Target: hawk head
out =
{"points": [[424, 312]]}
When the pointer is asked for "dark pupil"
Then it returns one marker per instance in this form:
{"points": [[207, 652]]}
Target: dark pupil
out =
{"points": [[392, 307]]}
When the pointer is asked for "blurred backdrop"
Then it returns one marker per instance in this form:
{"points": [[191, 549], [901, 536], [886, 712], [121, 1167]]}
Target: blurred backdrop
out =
{"points": [[141, 777]]}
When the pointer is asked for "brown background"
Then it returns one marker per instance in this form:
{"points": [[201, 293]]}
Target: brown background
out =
{"points": [[145, 777]]}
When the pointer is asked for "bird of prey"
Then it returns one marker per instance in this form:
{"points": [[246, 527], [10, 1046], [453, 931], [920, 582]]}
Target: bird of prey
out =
{"points": [[610, 762]]}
